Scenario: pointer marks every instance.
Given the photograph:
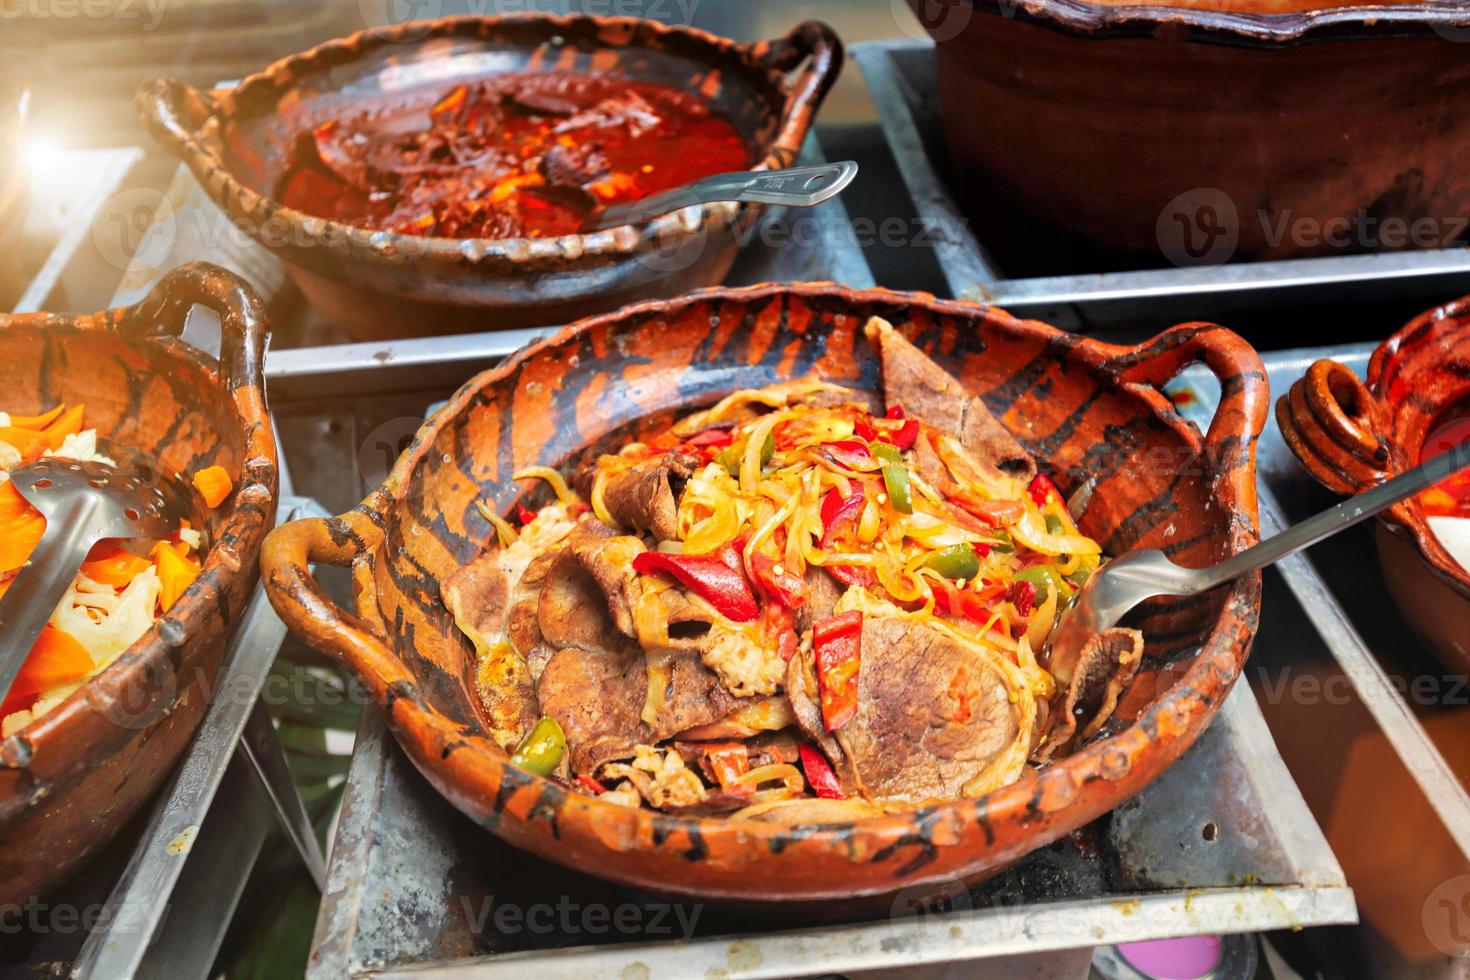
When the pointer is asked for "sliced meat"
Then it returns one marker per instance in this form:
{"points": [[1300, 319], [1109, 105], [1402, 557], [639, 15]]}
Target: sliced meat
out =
{"points": [[522, 625], [572, 610], [1104, 668], [645, 496], [692, 696], [478, 596], [574, 166], [814, 812], [933, 714], [597, 698], [608, 558], [822, 593], [930, 393], [801, 692]]}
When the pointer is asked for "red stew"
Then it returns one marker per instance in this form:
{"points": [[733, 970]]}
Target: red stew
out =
{"points": [[515, 155], [1452, 497]]}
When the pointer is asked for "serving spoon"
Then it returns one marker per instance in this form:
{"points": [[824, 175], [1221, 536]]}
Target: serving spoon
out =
{"points": [[798, 187], [83, 503], [1129, 579]]}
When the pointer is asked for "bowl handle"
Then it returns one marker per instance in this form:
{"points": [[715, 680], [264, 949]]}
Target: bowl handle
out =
{"points": [[174, 113], [346, 541], [818, 45], [1245, 394], [1335, 427]]}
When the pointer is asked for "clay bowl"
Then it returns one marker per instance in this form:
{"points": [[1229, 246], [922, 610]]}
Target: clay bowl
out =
{"points": [[1278, 121], [71, 779], [1352, 436], [1093, 411], [372, 284]]}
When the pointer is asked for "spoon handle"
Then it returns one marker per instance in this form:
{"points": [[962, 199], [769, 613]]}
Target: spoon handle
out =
{"points": [[27, 605], [801, 187], [1353, 510]]}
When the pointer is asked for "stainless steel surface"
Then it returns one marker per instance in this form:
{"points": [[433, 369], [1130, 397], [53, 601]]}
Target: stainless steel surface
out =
{"points": [[795, 187], [901, 79], [138, 916], [263, 749], [83, 503], [92, 179], [1137, 576]]}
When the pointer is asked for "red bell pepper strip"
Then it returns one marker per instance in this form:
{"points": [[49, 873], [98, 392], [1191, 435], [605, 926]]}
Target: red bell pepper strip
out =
{"points": [[838, 512], [894, 412], [524, 514], [777, 581], [992, 512], [862, 427], [819, 773], [1022, 595], [709, 577], [711, 437], [590, 785], [1040, 489], [729, 761], [837, 642], [850, 452], [907, 435], [786, 645]]}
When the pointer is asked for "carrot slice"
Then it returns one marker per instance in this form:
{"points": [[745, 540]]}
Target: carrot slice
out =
{"points": [[37, 422], [69, 424], [111, 564], [21, 527], [176, 571], [56, 658], [28, 442], [213, 484]]}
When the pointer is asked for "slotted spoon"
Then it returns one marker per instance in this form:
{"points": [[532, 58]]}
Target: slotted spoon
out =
{"points": [[1138, 575], [83, 503]]}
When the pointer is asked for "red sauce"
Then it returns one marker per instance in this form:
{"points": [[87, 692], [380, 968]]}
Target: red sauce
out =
{"points": [[515, 155], [1452, 497]]}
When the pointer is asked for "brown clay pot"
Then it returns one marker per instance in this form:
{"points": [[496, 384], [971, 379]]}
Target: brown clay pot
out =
{"points": [[1291, 129], [372, 284], [1351, 437], [1093, 412], [71, 779]]}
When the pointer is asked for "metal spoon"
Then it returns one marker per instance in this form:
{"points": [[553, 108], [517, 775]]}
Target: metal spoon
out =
{"points": [[1130, 579], [83, 503], [798, 187]]}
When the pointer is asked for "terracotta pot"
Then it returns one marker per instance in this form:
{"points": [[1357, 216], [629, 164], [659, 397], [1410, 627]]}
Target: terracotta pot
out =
{"points": [[1351, 437], [71, 779], [1092, 411], [1293, 132], [238, 142]]}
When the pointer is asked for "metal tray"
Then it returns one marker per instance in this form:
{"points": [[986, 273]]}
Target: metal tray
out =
{"points": [[901, 79]]}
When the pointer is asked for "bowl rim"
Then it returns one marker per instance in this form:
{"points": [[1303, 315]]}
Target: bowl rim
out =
{"points": [[466, 766], [1408, 517], [157, 321], [1248, 29], [159, 98]]}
